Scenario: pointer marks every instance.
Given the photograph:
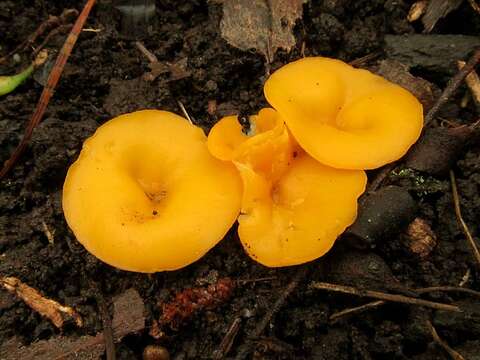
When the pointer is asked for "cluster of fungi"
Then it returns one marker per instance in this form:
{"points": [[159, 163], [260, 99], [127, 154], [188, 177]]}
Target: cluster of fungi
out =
{"points": [[150, 192]]}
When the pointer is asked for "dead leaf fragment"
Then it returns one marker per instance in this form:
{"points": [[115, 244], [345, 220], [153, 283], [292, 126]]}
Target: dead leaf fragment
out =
{"points": [[262, 25]]}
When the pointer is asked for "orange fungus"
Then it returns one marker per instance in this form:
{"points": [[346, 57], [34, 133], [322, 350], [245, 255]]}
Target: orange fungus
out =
{"points": [[146, 195], [293, 207], [344, 117]]}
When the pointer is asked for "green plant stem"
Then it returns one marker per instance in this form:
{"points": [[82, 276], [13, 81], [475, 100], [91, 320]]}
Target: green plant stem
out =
{"points": [[10, 83]]}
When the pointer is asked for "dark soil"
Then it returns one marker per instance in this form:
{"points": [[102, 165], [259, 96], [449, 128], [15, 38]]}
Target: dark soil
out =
{"points": [[103, 78]]}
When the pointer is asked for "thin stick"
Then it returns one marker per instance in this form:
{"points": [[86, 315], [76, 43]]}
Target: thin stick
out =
{"points": [[180, 104], [51, 22], [448, 289], [357, 309], [259, 329], [299, 275], [384, 296], [473, 82], [246, 281], [380, 177], [474, 6], [458, 213], [147, 53], [106, 321], [48, 90], [365, 59], [455, 355], [227, 340], [453, 85]]}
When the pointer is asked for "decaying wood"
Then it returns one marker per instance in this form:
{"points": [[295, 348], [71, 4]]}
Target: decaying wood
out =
{"points": [[128, 317], [437, 53], [48, 308], [436, 10]]}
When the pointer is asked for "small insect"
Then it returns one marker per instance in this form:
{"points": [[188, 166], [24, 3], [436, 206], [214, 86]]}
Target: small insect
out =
{"points": [[244, 120]]}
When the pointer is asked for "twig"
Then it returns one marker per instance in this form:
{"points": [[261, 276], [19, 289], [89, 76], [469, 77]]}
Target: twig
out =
{"points": [[106, 321], [357, 309], [380, 177], [48, 90], [365, 59], [51, 22], [384, 296], [246, 281], [455, 355], [147, 53], [473, 82], [48, 233], [180, 104], [474, 6], [452, 86], [297, 278], [48, 308], [227, 340], [448, 289], [62, 29], [465, 278], [458, 213]]}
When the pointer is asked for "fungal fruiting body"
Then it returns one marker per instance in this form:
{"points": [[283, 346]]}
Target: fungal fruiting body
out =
{"points": [[293, 207], [146, 195], [344, 117]]}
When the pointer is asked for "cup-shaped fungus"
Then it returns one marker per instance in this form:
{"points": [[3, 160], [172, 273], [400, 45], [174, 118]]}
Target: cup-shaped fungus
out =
{"points": [[344, 117], [146, 195], [293, 207]]}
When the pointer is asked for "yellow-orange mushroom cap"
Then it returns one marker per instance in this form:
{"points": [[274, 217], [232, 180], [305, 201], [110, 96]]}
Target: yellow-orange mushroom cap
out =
{"points": [[293, 207], [146, 195], [344, 117]]}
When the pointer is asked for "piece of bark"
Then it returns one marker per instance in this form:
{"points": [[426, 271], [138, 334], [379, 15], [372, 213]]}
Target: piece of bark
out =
{"points": [[398, 73], [436, 10], [435, 53], [439, 148], [128, 317], [51, 309], [380, 216]]}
